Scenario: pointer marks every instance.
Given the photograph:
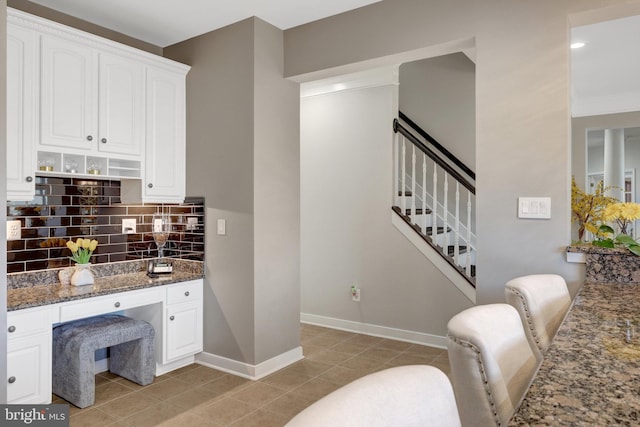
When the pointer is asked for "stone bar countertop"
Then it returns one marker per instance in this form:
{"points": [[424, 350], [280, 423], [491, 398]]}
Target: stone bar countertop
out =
{"points": [[590, 375], [43, 287]]}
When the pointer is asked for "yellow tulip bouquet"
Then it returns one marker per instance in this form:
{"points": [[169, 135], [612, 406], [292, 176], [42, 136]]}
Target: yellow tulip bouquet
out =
{"points": [[82, 249]]}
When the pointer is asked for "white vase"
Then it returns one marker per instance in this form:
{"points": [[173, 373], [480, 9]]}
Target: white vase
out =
{"points": [[82, 275]]}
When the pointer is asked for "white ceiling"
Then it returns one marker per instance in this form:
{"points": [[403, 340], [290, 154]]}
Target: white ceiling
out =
{"points": [[165, 22], [605, 73]]}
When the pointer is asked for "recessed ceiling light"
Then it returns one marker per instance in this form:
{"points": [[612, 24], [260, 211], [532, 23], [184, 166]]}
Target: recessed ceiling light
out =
{"points": [[577, 45]]}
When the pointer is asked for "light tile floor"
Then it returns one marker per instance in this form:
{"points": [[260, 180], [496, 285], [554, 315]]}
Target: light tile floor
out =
{"points": [[199, 396]]}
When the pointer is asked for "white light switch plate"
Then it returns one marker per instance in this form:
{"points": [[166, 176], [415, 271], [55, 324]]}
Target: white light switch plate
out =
{"points": [[534, 207], [222, 227], [14, 230]]}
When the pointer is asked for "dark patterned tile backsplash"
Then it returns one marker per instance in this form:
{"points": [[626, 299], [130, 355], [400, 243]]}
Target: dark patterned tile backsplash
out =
{"points": [[68, 208]]}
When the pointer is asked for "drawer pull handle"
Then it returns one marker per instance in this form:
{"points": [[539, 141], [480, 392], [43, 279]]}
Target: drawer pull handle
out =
{"points": [[117, 304], [12, 380], [89, 138], [29, 178], [150, 185], [172, 317], [103, 140], [12, 328], [186, 294]]}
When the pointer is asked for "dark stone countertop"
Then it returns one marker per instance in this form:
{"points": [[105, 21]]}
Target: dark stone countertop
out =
{"points": [[34, 289], [590, 375]]}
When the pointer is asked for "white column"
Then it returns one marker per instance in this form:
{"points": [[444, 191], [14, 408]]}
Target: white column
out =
{"points": [[614, 162]]}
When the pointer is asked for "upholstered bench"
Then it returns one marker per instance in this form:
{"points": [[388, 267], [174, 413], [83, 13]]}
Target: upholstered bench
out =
{"points": [[74, 345]]}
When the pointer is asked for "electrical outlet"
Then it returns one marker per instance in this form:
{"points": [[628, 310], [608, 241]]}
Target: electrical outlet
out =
{"points": [[355, 293], [14, 230], [192, 223], [128, 226]]}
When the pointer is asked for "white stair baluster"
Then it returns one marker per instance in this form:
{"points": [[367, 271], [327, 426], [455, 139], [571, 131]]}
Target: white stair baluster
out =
{"points": [[445, 215], [468, 266], [456, 236], [434, 205], [404, 177], [413, 184], [424, 194]]}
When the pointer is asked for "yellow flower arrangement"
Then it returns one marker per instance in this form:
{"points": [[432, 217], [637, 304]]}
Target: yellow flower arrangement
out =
{"points": [[82, 249], [587, 209], [624, 214]]}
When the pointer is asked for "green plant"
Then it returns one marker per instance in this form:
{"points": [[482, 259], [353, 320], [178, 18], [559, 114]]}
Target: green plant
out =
{"points": [[606, 239]]}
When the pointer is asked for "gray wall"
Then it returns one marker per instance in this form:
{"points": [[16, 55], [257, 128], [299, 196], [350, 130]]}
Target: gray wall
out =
{"points": [[439, 94], [346, 231], [242, 156], [522, 109], [3, 203]]}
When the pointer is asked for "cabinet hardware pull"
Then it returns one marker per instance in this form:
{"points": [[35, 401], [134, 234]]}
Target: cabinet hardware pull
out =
{"points": [[103, 140], [172, 317], [29, 178], [89, 138], [12, 380], [12, 328], [150, 185], [117, 304], [186, 294]]}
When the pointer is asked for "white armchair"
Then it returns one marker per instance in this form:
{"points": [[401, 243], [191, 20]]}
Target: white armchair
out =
{"points": [[417, 395], [542, 300]]}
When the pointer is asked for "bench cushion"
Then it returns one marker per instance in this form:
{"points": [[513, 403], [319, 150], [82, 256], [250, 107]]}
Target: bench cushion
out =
{"points": [[74, 346]]}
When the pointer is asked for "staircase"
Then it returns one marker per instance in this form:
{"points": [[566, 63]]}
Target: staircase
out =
{"points": [[433, 203]]}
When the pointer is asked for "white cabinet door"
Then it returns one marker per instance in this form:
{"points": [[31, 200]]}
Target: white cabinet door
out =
{"points": [[183, 332], [165, 142], [68, 94], [21, 112], [29, 370], [121, 105], [29, 356]]}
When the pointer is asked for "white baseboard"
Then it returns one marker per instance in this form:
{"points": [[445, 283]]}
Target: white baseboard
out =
{"points": [[245, 370], [375, 330]]}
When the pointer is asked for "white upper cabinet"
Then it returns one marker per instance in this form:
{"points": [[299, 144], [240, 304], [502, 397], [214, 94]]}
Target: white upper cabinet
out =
{"points": [[121, 106], [21, 113], [90, 100], [79, 104], [165, 152], [68, 96]]}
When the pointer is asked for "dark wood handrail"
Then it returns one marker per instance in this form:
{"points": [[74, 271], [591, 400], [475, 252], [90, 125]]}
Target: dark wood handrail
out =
{"points": [[397, 127], [437, 145]]}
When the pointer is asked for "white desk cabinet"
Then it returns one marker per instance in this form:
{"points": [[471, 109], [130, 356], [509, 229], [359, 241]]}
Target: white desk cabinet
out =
{"points": [[29, 356], [175, 311], [183, 327]]}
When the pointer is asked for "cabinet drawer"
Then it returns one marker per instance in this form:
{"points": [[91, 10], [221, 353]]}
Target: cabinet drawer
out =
{"points": [[22, 323], [108, 304], [184, 292]]}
